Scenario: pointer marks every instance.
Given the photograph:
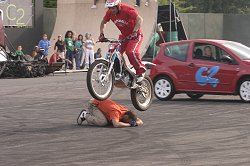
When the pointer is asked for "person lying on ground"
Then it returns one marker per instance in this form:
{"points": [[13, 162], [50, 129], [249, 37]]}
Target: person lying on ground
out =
{"points": [[102, 113]]}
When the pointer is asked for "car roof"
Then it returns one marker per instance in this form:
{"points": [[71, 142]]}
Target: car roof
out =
{"points": [[199, 40]]}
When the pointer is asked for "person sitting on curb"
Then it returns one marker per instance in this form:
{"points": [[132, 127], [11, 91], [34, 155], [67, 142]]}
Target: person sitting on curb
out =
{"points": [[102, 113], [35, 52], [19, 55], [57, 58]]}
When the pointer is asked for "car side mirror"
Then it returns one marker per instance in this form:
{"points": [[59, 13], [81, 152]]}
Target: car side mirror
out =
{"points": [[226, 59]]}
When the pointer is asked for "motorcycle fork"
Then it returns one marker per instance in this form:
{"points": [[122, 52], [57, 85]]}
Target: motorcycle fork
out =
{"points": [[111, 66]]}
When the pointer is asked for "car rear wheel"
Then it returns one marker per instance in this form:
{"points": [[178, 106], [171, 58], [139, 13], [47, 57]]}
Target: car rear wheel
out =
{"points": [[194, 95], [164, 88], [244, 90]]}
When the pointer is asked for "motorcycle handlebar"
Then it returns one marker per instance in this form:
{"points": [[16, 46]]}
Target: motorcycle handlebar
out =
{"points": [[107, 40]]}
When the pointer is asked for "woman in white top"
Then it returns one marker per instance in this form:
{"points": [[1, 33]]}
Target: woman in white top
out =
{"points": [[89, 54]]}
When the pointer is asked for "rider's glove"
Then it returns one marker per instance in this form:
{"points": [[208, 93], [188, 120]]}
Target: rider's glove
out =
{"points": [[102, 38], [133, 36], [133, 123]]}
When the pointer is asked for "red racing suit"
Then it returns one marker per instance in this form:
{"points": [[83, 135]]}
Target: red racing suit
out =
{"points": [[125, 21]]}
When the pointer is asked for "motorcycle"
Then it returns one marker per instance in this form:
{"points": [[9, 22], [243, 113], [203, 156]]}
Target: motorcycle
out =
{"points": [[3, 59], [105, 73]]}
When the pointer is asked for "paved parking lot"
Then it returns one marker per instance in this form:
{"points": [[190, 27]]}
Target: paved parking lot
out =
{"points": [[38, 127]]}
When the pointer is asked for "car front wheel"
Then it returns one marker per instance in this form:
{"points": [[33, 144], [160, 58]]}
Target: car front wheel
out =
{"points": [[164, 88], [244, 90]]}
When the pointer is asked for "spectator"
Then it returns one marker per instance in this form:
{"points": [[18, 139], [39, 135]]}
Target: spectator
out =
{"points": [[94, 5], [102, 113], [98, 54], [69, 44], [34, 52], [78, 51], [59, 47], [39, 55], [19, 55], [89, 54], [138, 3], [44, 44], [57, 58], [74, 36]]}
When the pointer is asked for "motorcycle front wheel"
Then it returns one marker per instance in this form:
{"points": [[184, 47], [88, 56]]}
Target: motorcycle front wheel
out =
{"points": [[143, 95], [100, 84]]}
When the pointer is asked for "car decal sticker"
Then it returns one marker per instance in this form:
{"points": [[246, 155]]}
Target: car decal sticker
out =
{"points": [[204, 76]]}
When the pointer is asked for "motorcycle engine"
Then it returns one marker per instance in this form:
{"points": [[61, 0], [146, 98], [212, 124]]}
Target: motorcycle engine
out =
{"points": [[127, 79]]}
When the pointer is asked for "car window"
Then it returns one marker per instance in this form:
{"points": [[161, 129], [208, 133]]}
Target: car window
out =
{"points": [[240, 50], [177, 51], [203, 51], [209, 52], [225, 57]]}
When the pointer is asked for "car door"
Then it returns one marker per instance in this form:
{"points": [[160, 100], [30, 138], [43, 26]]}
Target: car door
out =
{"points": [[177, 60], [210, 74]]}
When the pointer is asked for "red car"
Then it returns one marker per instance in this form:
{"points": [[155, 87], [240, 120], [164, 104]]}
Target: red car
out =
{"points": [[198, 67]]}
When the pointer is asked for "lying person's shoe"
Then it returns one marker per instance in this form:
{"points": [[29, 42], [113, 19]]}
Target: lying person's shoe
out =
{"points": [[82, 116]]}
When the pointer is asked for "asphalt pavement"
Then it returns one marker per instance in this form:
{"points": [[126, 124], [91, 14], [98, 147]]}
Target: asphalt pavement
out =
{"points": [[38, 128]]}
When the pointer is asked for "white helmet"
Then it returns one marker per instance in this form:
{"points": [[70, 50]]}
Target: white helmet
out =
{"points": [[112, 3]]}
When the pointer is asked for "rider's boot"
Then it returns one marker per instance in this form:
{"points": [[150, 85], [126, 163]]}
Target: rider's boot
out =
{"points": [[140, 73], [136, 80], [140, 77]]}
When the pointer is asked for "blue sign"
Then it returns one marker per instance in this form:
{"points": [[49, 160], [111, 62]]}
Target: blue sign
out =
{"points": [[204, 76]]}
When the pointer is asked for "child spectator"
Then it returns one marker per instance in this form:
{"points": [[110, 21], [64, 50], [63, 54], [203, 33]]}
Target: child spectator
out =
{"points": [[44, 44], [59, 45], [19, 55], [98, 54], [89, 55], [69, 44], [78, 51]]}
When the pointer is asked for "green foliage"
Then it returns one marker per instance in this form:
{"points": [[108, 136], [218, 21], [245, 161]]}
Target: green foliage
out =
{"points": [[196, 6], [211, 6], [50, 3]]}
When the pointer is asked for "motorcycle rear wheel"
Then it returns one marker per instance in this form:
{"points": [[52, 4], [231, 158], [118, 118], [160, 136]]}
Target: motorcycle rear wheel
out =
{"points": [[142, 96]]}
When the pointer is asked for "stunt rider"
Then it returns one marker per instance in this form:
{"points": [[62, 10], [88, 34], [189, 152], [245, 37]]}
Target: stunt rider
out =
{"points": [[128, 21]]}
